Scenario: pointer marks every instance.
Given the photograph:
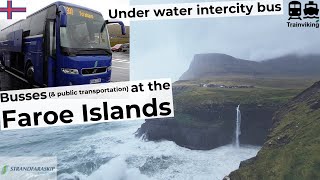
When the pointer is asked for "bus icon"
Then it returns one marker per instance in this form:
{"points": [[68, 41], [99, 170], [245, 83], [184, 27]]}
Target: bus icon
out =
{"points": [[294, 10], [311, 9]]}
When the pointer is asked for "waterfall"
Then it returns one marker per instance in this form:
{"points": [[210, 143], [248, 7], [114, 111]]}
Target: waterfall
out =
{"points": [[238, 130]]}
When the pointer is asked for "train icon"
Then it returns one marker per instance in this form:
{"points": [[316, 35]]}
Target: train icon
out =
{"points": [[295, 10], [311, 9]]}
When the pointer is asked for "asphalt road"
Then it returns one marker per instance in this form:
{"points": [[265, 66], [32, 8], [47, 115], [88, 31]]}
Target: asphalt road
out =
{"points": [[120, 67], [120, 72]]}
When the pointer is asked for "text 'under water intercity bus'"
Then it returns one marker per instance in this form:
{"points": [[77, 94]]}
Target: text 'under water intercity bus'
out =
{"points": [[59, 45]]}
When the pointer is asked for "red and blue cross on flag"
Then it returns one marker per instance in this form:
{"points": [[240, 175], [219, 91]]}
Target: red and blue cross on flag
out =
{"points": [[10, 9]]}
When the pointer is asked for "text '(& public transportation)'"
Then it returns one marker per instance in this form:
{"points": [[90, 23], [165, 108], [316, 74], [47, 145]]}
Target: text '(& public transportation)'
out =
{"points": [[62, 44]]}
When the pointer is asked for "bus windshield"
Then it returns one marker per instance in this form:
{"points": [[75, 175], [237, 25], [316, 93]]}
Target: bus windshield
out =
{"points": [[84, 33]]}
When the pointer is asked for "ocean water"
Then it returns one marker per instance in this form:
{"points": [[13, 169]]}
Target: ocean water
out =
{"points": [[111, 151]]}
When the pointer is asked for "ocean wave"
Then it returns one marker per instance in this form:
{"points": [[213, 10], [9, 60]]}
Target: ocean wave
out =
{"points": [[115, 169]]}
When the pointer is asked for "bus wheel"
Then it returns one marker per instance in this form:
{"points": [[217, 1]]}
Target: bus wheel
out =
{"points": [[30, 74]]}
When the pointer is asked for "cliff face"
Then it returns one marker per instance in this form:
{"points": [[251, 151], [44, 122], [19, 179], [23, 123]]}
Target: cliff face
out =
{"points": [[205, 107], [210, 65], [292, 149], [183, 135], [215, 126]]}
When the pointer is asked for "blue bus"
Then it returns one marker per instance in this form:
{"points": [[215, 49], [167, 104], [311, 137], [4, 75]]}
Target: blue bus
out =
{"points": [[62, 44]]}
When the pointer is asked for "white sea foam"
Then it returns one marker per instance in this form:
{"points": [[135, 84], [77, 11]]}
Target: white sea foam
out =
{"points": [[134, 157], [111, 151]]}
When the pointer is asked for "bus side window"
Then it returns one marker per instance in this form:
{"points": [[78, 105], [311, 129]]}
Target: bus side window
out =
{"points": [[38, 23], [25, 25], [52, 38], [64, 37], [1, 36], [52, 12], [16, 26], [26, 33]]}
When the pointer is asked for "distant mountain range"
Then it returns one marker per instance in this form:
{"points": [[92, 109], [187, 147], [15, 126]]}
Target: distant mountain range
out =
{"points": [[209, 65]]}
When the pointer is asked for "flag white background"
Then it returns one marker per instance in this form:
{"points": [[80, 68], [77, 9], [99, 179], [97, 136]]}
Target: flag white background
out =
{"points": [[15, 4]]}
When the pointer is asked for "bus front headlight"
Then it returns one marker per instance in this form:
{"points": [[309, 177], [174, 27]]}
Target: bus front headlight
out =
{"points": [[69, 71]]}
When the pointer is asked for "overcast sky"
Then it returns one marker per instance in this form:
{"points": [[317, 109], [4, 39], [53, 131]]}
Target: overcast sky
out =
{"points": [[161, 49], [165, 48]]}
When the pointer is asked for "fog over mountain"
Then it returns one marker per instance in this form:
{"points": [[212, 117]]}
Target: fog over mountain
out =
{"points": [[170, 45], [214, 64]]}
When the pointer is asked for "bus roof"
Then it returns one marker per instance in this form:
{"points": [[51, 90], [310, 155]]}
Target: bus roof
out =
{"points": [[58, 3]]}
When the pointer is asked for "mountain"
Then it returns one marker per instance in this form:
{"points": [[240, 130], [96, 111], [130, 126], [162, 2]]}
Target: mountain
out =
{"points": [[205, 115], [206, 66], [292, 149], [205, 105]]}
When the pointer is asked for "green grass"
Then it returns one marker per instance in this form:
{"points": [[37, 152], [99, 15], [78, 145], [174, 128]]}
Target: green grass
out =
{"points": [[257, 96], [292, 152], [268, 93], [269, 82], [296, 159]]}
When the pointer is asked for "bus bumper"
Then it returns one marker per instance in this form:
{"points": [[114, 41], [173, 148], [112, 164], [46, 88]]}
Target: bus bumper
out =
{"points": [[79, 79]]}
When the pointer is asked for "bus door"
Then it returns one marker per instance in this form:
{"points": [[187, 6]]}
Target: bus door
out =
{"points": [[50, 54]]}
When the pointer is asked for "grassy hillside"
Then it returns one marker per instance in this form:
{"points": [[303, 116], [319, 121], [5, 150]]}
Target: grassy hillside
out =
{"points": [[292, 150], [268, 82], [205, 115], [115, 35], [206, 97], [265, 91], [190, 98]]}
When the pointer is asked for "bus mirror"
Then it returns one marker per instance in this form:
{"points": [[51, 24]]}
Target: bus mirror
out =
{"points": [[123, 28], [63, 16]]}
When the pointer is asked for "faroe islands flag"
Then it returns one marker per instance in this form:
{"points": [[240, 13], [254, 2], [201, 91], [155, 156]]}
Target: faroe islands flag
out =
{"points": [[13, 9]]}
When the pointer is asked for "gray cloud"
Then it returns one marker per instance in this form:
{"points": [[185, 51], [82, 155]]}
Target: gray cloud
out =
{"points": [[165, 48]]}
